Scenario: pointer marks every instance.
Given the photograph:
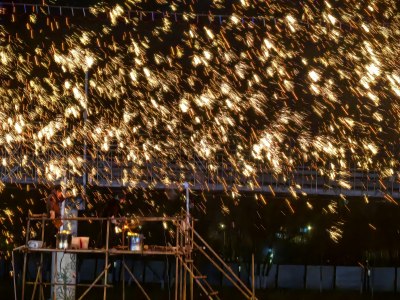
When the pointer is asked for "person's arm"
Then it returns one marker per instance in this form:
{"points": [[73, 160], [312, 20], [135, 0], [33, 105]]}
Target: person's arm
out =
{"points": [[50, 207]]}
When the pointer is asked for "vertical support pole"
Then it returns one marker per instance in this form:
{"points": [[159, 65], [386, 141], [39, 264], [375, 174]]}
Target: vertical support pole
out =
{"points": [[252, 278], [41, 254], [123, 277], [28, 228], [84, 179], [43, 225], [123, 265], [177, 226], [187, 241], [191, 263], [14, 274], [181, 268], [54, 257], [180, 281], [106, 262], [191, 280], [111, 167], [186, 186], [38, 278], [184, 283]]}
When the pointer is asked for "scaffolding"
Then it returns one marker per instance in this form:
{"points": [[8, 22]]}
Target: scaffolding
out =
{"points": [[187, 274]]}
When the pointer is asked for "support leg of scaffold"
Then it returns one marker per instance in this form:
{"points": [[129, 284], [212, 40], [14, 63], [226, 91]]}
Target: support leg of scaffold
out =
{"points": [[202, 287], [190, 243], [41, 292], [28, 228], [180, 281], [23, 275], [36, 282], [39, 281], [54, 275], [180, 278], [106, 261], [253, 284], [176, 276], [123, 277], [41, 256], [191, 281], [186, 242], [136, 281], [94, 282], [184, 284], [177, 224], [14, 274]]}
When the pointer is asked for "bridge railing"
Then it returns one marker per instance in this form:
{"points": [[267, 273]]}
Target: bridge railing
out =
{"points": [[112, 169]]}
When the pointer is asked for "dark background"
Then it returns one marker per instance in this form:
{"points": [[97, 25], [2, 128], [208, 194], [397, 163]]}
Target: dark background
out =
{"points": [[369, 230], [251, 226]]}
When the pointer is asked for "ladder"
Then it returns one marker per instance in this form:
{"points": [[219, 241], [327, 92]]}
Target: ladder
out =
{"points": [[191, 240]]}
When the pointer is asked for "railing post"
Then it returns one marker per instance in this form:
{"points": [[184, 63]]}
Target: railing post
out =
{"points": [[14, 274], [106, 261], [252, 278], [41, 253], [28, 228], [177, 262]]}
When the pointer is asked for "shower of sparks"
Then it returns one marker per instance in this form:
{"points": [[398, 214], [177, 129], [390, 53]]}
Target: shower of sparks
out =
{"points": [[335, 233], [314, 83]]}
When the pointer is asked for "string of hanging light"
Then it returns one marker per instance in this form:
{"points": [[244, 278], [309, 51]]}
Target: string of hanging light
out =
{"points": [[151, 15]]}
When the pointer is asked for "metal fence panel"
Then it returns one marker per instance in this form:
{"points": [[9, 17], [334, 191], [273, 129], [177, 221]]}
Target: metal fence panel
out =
{"points": [[291, 276], [320, 277], [349, 278], [383, 279]]}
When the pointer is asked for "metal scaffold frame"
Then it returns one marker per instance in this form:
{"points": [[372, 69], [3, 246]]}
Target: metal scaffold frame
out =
{"points": [[187, 240]]}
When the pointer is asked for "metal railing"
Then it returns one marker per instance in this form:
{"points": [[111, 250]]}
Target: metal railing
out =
{"points": [[112, 169]]}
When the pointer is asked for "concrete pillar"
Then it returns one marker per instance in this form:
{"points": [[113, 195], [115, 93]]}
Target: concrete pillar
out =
{"points": [[63, 271]]}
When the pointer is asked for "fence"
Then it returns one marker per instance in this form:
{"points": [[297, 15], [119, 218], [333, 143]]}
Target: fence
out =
{"points": [[309, 277]]}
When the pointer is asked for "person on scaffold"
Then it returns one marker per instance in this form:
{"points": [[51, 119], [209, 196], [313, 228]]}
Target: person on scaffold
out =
{"points": [[53, 204]]}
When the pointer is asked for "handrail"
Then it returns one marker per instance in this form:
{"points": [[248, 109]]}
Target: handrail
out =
{"points": [[39, 217], [220, 260], [205, 281], [305, 176], [193, 276], [245, 293]]}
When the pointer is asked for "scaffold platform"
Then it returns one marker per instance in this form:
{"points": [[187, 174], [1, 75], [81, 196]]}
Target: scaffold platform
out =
{"points": [[187, 274]]}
